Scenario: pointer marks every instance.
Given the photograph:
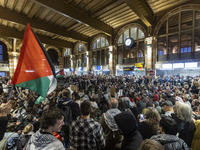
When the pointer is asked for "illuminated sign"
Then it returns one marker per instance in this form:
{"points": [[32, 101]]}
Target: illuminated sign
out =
{"points": [[178, 65], [128, 68], [139, 65], [99, 67], [167, 66], [191, 65], [80, 68]]}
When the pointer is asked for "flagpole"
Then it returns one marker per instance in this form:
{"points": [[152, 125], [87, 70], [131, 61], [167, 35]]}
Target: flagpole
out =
{"points": [[17, 90], [10, 91]]}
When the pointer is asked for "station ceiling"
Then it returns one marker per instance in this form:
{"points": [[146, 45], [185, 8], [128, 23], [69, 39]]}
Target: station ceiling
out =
{"points": [[65, 22]]}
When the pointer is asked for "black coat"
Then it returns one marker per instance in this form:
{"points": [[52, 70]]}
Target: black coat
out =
{"points": [[133, 142], [145, 130], [129, 127], [186, 130], [170, 142], [3, 125]]}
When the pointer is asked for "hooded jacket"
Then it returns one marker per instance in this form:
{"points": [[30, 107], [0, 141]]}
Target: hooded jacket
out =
{"points": [[128, 126], [110, 127], [44, 141], [170, 142], [3, 123]]}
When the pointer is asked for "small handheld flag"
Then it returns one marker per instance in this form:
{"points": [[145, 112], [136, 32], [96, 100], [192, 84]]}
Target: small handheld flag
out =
{"points": [[60, 74], [35, 70]]}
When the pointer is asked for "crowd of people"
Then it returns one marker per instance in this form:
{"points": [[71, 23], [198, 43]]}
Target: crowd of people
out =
{"points": [[103, 112]]}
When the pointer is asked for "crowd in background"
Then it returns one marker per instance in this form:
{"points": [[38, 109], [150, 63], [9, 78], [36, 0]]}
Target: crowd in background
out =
{"points": [[104, 112]]}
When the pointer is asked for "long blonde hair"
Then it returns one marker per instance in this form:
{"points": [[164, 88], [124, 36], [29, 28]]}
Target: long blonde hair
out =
{"points": [[28, 128], [153, 118]]}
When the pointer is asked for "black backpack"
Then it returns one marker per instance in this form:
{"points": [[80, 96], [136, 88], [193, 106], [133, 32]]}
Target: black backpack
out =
{"points": [[67, 112]]}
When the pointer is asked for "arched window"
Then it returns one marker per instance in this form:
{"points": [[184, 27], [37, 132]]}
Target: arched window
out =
{"points": [[100, 42], [178, 35], [80, 54], [67, 62], [67, 52], [100, 51], [54, 56], [3, 52], [130, 55]]}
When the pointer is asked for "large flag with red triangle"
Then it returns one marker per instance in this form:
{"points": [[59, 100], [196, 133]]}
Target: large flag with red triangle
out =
{"points": [[35, 70]]}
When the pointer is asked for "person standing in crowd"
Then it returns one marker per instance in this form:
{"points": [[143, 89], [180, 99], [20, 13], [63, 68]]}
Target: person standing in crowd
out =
{"points": [[129, 127], [196, 138], [150, 125], [85, 133], [151, 145], [4, 111], [168, 138], [167, 108], [25, 136], [186, 126], [111, 131], [71, 112], [12, 136], [51, 121]]}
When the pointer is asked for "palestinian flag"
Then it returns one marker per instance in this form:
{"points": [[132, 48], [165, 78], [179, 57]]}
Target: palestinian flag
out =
{"points": [[140, 69], [60, 74], [35, 70]]}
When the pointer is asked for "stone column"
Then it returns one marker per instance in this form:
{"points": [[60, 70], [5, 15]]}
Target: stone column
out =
{"points": [[73, 64], [89, 61], [148, 55], [13, 60], [154, 53], [114, 59], [111, 62]]}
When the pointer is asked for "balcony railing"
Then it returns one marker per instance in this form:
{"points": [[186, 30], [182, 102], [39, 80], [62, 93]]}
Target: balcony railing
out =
{"points": [[179, 56], [133, 60]]}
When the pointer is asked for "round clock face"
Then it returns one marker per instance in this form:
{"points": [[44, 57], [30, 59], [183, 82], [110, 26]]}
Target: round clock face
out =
{"points": [[129, 42]]}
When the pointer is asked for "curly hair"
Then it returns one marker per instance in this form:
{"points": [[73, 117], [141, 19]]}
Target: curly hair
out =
{"points": [[50, 117], [153, 118]]}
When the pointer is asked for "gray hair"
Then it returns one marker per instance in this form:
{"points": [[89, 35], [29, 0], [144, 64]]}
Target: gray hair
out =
{"points": [[184, 111], [113, 103]]}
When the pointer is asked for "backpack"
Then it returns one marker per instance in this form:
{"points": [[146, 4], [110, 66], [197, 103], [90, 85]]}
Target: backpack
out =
{"points": [[67, 113], [23, 139], [4, 142]]}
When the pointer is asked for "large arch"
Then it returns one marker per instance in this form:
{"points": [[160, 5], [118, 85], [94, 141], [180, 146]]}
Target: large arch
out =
{"points": [[172, 12], [96, 37], [64, 49], [6, 43], [76, 46], [59, 55], [127, 27], [19, 47]]}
